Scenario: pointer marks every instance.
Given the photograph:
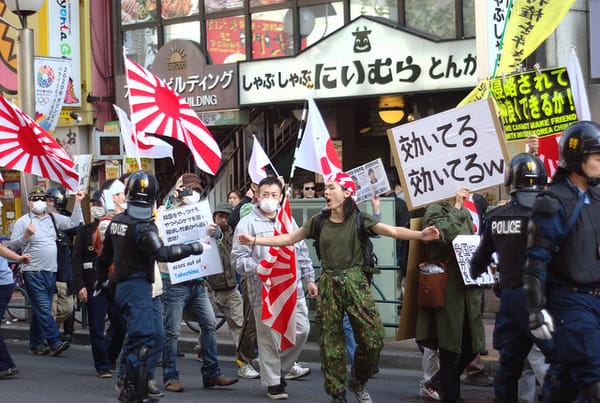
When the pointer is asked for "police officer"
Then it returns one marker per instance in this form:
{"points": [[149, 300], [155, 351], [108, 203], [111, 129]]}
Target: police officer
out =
{"points": [[57, 200], [562, 278], [505, 232], [133, 244]]}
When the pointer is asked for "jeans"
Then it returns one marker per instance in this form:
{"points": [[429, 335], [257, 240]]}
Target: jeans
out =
{"points": [[6, 361], [134, 298], [176, 297], [159, 334], [349, 336], [40, 287], [96, 310]]}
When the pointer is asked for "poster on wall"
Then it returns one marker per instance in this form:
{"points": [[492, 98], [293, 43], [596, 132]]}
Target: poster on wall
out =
{"points": [[460, 148]]}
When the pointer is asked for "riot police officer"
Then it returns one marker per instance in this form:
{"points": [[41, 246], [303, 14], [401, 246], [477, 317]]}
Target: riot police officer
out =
{"points": [[505, 232], [562, 278], [132, 243], [57, 199]]}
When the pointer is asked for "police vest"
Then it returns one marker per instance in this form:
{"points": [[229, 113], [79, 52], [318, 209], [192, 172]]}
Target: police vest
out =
{"points": [[577, 261], [129, 258], [508, 227]]}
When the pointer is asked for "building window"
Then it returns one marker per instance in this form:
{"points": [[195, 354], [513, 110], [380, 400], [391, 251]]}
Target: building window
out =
{"points": [[317, 22], [141, 45], [183, 30], [269, 38], [435, 17], [375, 8], [226, 39], [177, 8]]}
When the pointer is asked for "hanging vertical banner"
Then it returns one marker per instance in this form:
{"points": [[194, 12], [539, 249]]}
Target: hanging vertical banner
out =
{"points": [[537, 102], [51, 81], [63, 41], [497, 19], [530, 23]]}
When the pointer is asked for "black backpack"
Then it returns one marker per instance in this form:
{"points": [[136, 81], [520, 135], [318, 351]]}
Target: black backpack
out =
{"points": [[365, 241]]}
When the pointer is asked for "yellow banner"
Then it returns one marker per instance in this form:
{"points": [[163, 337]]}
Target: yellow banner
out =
{"points": [[479, 92], [529, 24]]}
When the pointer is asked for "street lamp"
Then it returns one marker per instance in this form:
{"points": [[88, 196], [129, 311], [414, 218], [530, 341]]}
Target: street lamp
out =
{"points": [[25, 56]]}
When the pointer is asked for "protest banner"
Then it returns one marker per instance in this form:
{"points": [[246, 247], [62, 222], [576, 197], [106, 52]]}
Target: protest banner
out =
{"points": [[83, 167], [538, 102], [370, 179], [190, 223], [460, 148], [464, 247]]}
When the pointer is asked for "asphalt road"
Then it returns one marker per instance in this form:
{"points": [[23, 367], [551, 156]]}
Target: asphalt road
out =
{"points": [[72, 378]]}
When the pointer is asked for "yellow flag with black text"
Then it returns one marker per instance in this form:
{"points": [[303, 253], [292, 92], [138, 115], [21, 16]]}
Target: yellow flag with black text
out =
{"points": [[529, 24]]}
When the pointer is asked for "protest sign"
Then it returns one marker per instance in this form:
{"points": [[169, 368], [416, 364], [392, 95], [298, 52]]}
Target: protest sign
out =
{"points": [[464, 248], [190, 223], [83, 166], [538, 102], [370, 179], [460, 148]]}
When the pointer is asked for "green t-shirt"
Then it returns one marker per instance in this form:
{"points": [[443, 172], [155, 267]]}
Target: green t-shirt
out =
{"points": [[339, 243]]}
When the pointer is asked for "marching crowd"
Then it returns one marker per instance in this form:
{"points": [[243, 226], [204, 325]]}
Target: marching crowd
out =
{"points": [[543, 240]]}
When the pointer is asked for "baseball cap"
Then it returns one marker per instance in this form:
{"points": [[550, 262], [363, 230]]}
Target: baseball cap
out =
{"points": [[36, 192], [223, 208]]}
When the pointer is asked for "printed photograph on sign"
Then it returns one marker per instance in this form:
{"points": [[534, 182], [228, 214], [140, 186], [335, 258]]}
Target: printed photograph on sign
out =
{"points": [[460, 148], [370, 179], [186, 224], [464, 248]]}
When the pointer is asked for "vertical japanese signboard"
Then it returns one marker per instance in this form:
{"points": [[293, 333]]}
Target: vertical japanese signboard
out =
{"points": [[458, 148], [536, 102]]}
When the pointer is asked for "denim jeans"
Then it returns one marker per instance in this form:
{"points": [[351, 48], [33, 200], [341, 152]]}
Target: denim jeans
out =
{"points": [[40, 287], [6, 361], [96, 310], [176, 297], [349, 336]]}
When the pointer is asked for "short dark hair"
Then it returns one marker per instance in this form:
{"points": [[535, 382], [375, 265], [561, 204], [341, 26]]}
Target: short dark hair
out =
{"points": [[270, 180]]}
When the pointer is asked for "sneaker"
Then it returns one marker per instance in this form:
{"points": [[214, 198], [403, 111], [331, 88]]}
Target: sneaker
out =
{"points": [[7, 373], [277, 392], [427, 390], [339, 398], [247, 371], [104, 373], [174, 386], [153, 390], [296, 372], [360, 391], [479, 379], [39, 350], [59, 348]]}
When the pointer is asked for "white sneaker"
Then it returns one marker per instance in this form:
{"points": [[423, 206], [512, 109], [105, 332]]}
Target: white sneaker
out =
{"points": [[247, 371], [360, 391], [296, 372], [427, 391]]}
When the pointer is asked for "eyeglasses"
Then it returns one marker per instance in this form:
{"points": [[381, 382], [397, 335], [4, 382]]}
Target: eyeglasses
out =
{"points": [[312, 188], [37, 198]]}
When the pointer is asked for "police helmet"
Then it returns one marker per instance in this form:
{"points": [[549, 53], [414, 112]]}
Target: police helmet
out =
{"points": [[577, 140], [525, 177], [57, 195], [141, 193]]}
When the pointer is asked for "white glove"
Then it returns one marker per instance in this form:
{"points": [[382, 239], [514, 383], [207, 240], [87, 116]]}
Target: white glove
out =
{"points": [[541, 325]]}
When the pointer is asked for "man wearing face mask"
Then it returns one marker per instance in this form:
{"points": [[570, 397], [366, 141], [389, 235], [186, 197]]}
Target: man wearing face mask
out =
{"points": [[34, 233], [84, 281], [194, 294], [274, 364]]}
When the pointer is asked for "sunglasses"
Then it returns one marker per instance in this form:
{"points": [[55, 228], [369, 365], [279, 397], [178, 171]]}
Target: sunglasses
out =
{"points": [[312, 188], [37, 198]]}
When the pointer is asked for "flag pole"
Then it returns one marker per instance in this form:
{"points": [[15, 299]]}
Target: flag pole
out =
{"points": [[133, 128], [309, 85]]}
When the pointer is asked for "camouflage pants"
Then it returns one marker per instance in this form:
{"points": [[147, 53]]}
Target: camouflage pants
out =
{"points": [[348, 291]]}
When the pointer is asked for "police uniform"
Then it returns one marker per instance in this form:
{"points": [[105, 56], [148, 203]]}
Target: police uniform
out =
{"points": [[505, 232]]}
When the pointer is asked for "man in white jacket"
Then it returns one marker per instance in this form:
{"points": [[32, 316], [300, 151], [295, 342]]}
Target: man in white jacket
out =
{"points": [[245, 258]]}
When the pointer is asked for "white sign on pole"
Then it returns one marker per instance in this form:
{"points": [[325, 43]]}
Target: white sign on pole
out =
{"points": [[83, 166], [370, 179], [460, 148], [185, 224], [464, 248]]}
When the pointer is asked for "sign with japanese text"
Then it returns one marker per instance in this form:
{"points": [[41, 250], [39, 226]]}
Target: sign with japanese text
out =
{"points": [[464, 248], [370, 179], [356, 61], [51, 82], [459, 148], [83, 166], [534, 102], [185, 224], [130, 164]]}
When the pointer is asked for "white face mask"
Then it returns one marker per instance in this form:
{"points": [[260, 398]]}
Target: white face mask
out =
{"points": [[38, 207], [123, 205], [192, 199], [269, 205], [97, 212]]}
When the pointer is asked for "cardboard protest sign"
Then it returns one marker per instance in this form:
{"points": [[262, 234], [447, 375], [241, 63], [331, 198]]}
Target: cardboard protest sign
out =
{"points": [[460, 148], [190, 223], [83, 166], [464, 247], [370, 179], [538, 102]]}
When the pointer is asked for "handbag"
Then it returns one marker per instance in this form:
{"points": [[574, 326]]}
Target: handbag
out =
{"points": [[433, 278], [64, 269]]}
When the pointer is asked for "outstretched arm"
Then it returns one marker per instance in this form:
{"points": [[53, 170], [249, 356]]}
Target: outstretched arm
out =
{"points": [[279, 240], [427, 234]]}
